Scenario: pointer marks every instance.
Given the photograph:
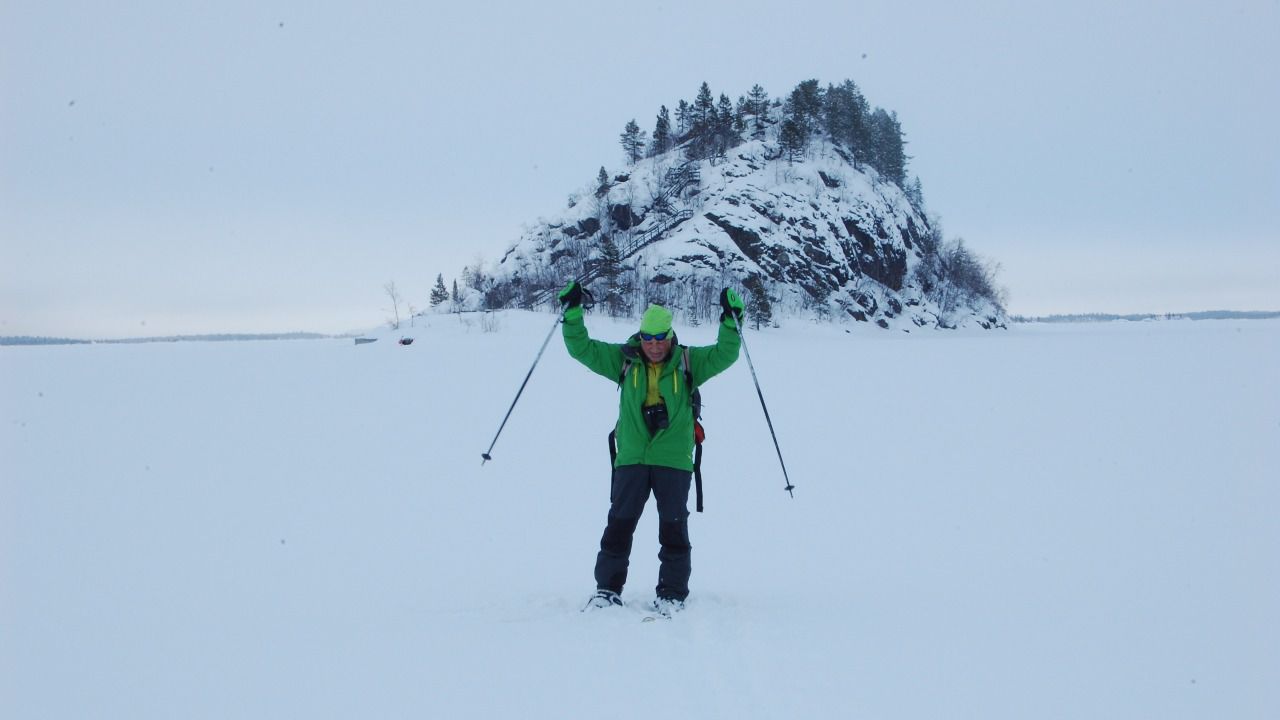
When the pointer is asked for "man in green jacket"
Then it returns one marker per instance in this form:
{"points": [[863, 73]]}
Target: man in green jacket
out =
{"points": [[654, 436]]}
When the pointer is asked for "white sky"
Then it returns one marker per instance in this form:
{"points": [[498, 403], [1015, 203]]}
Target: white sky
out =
{"points": [[179, 167]]}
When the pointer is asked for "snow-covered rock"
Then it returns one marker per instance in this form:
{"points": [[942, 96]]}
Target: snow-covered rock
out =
{"points": [[820, 237]]}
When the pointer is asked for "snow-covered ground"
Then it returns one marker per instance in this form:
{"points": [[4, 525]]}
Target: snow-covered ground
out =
{"points": [[1060, 521]]}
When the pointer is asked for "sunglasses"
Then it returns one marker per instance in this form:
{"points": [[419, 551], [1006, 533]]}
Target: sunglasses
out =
{"points": [[660, 336]]}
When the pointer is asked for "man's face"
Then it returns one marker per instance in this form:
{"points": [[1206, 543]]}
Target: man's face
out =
{"points": [[655, 350]]}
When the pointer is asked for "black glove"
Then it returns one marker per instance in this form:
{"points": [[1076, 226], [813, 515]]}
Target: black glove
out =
{"points": [[571, 295], [732, 305]]}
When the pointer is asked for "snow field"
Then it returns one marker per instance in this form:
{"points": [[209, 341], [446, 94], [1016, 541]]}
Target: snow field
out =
{"points": [[1051, 521]]}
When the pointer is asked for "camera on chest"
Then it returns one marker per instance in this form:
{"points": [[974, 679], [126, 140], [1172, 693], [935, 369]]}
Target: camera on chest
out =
{"points": [[655, 417]]}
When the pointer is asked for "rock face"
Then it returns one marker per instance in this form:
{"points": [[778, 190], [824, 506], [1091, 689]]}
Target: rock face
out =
{"points": [[814, 238]]}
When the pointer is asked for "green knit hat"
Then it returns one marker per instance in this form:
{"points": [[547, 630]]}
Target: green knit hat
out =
{"points": [[657, 319]]}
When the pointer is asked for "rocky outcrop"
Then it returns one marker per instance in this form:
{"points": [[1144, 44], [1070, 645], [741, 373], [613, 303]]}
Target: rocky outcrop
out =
{"points": [[821, 237]]}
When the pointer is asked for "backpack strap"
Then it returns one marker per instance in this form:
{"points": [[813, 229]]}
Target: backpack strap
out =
{"points": [[628, 359], [695, 397]]}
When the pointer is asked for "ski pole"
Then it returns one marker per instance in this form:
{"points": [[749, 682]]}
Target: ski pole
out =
{"points": [[487, 457], [756, 380], [588, 302]]}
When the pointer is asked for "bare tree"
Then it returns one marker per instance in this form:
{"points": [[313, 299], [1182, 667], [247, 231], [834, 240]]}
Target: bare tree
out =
{"points": [[394, 294]]}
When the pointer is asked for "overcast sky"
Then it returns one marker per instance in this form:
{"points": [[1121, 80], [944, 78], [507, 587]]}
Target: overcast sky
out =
{"points": [[234, 166]]}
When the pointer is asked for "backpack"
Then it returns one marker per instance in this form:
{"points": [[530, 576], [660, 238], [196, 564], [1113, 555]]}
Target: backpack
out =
{"points": [[698, 433]]}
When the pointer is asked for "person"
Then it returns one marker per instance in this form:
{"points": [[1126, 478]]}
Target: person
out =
{"points": [[655, 436]]}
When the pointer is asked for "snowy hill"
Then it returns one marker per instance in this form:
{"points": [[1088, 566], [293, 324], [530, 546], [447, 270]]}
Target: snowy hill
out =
{"points": [[816, 234], [1057, 521]]}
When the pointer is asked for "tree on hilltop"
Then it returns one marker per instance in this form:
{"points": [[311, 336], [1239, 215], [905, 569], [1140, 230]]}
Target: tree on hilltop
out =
{"points": [[704, 109], [758, 107], [888, 154], [602, 183], [661, 132], [792, 139], [845, 118], [684, 117], [633, 140], [610, 275], [758, 101], [703, 120], [439, 293], [727, 133], [804, 106]]}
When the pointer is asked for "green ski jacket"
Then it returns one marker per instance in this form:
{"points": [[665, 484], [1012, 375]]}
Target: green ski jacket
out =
{"points": [[672, 446]]}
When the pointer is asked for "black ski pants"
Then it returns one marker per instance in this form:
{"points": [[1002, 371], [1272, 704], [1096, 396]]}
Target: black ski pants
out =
{"points": [[631, 487]]}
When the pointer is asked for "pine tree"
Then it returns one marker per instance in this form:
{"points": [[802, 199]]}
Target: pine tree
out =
{"points": [[759, 309], [684, 116], [793, 139], [859, 138], [702, 136], [704, 109], [845, 115], [632, 140], [805, 106], [661, 132], [726, 137], [602, 183], [455, 299], [915, 193], [758, 101], [837, 113], [439, 293], [615, 295], [888, 154]]}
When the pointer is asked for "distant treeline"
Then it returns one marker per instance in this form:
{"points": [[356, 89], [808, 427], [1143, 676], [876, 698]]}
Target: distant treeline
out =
{"points": [[1103, 317], [225, 337]]}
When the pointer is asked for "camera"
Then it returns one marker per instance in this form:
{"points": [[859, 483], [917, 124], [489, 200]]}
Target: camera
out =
{"points": [[655, 417]]}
